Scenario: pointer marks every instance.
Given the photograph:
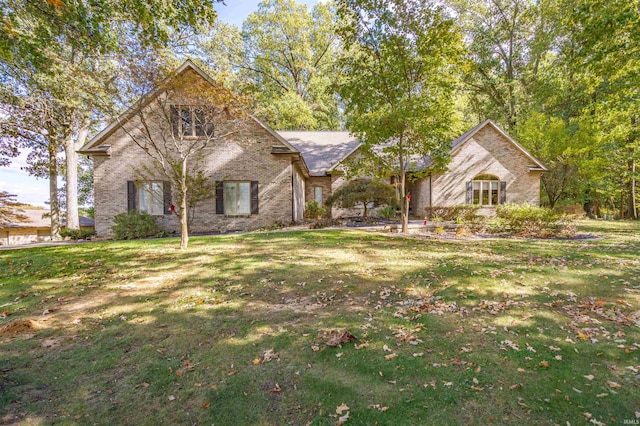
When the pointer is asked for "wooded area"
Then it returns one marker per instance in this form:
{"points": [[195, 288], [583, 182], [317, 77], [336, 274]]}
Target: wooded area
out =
{"points": [[562, 77]]}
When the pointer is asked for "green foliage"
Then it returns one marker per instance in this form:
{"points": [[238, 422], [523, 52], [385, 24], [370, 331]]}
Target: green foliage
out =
{"points": [[314, 210], [10, 209], [135, 225], [462, 213], [388, 212], [400, 69], [78, 234], [363, 191], [524, 219]]}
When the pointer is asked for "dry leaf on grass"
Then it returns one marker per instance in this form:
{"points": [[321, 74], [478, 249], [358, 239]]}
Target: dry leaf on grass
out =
{"points": [[341, 408], [390, 356], [276, 389], [378, 407], [270, 355], [342, 419], [336, 338], [613, 385]]}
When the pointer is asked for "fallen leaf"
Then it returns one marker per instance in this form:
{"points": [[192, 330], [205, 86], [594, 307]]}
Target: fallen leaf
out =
{"points": [[342, 408], [275, 389], [544, 364], [256, 361], [517, 385], [206, 405], [613, 385], [521, 370], [336, 338], [232, 372], [342, 419], [172, 398], [390, 356], [587, 415], [270, 355], [589, 377], [179, 373]]}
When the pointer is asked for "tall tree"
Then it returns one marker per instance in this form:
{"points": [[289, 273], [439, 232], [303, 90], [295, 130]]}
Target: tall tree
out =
{"points": [[399, 69], [285, 57], [65, 45], [177, 138], [507, 42]]}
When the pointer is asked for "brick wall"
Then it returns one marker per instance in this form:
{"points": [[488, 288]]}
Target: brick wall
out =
{"points": [[245, 155], [487, 152]]}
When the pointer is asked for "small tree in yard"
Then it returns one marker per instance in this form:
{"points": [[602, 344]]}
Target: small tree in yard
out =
{"points": [[176, 126], [365, 191], [399, 76]]}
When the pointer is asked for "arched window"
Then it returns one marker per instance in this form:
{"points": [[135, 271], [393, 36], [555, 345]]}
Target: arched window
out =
{"points": [[486, 190]]}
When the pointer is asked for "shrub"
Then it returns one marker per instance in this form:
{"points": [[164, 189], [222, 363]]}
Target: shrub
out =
{"points": [[363, 192], [77, 234], [387, 212], [530, 220], [324, 223], [314, 210], [134, 225], [458, 214]]}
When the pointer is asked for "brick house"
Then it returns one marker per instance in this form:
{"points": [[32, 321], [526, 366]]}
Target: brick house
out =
{"points": [[263, 177]]}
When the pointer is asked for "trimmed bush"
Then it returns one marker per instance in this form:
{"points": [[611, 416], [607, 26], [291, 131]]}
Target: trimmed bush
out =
{"points": [[387, 212], [527, 220], [458, 214], [314, 210], [135, 225], [77, 234]]}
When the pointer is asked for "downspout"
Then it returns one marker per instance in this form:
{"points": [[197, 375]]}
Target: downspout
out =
{"points": [[430, 196]]}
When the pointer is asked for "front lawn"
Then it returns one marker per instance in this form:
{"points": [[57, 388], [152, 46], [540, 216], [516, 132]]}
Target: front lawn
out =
{"points": [[235, 330]]}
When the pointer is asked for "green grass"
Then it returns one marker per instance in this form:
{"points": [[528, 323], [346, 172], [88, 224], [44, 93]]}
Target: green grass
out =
{"points": [[489, 331]]}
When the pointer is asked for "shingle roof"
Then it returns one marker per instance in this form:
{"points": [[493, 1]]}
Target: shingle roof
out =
{"points": [[321, 150], [324, 150], [37, 221]]}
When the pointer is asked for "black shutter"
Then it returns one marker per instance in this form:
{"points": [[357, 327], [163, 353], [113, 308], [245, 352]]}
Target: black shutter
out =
{"points": [[469, 192], [166, 196], [175, 120], [254, 197], [503, 192], [131, 196], [219, 197]]}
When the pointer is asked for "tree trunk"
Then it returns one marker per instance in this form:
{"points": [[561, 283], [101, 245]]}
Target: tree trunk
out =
{"points": [[184, 216], [404, 205], [73, 222], [633, 210], [53, 196]]}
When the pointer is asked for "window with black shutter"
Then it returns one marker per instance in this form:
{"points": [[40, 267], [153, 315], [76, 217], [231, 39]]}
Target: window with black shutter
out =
{"points": [[237, 198]]}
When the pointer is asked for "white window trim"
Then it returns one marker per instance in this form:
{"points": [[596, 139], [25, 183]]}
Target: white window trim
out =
{"points": [[226, 203], [140, 188], [482, 183]]}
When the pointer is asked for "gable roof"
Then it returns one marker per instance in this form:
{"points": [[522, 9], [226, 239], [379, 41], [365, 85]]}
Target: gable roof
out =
{"points": [[321, 150], [95, 147], [457, 143]]}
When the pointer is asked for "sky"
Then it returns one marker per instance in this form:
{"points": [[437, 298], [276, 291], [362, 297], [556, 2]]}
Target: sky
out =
{"points": [[36, 191]]}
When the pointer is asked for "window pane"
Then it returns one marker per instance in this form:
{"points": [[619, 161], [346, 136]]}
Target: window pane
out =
{"points": [[494, 193], [198, 115], [476, 192], [150, 197], [230, 198], [244, 198], [317, 194], [187, 124], [485, 193]]}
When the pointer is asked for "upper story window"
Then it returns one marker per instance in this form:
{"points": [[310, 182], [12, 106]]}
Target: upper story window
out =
{"points": [[190, 121]]}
